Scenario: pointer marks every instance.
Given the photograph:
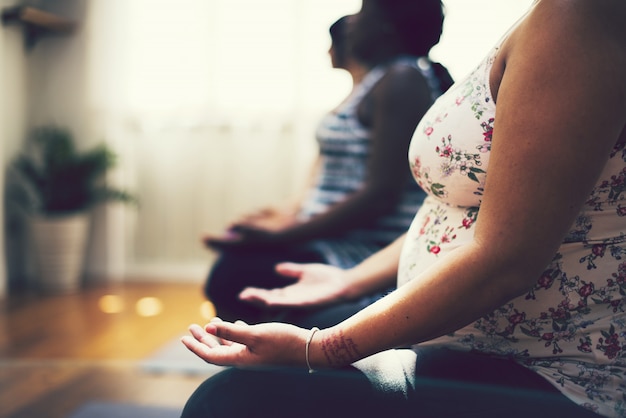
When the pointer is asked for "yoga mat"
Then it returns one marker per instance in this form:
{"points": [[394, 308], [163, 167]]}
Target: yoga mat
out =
{"points": [[174, 357], [119, 410]]}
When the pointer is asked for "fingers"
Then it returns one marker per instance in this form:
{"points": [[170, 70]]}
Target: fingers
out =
{"points": [[223, 243], [219, 342], [293, 270], [258, 214], [200, 342], [203, 337], [220, 354], [206, 239], [255, 296], [212, 242], [229, 236], [245, 229], [239, 332], [196, 347], [210, 340], [274, 298]]}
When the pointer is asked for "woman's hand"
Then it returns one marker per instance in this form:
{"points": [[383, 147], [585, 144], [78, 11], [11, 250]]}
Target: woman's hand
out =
{"points": [[239, 344], [245, 238], [263, 227], [316, 284], [273, 219]]}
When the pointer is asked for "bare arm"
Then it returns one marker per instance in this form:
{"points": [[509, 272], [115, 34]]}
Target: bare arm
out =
{"points": [[319, 284], [377, 272], [542, 167], [398, 102], [284, 214], [274, 218], [394, 107]]}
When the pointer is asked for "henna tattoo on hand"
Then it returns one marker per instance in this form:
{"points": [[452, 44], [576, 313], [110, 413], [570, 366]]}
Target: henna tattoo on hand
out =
{"points": [[339, 350]]}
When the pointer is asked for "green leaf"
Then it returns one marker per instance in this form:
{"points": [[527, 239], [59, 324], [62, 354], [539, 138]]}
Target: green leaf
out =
{"points": [[64, 179], [437, 189]]}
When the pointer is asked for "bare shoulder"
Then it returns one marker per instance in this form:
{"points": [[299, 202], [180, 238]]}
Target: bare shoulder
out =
{"points": [[400, 97], [578, 22], [560, 34], [563, 39], [401, 82]]}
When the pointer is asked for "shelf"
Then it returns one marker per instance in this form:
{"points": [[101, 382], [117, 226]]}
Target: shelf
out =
{"points": [[37, 22]]}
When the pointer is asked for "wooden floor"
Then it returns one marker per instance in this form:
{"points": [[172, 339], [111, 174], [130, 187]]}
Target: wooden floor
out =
{"points": [[58, 352]]}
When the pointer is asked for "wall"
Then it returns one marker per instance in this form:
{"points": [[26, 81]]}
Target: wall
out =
{"points": [[196, 181], [182, 194], [13, 121], [180, 199], [58, 94], [41, 85]]}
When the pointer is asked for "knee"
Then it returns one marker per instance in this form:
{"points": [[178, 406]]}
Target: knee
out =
{"points": [[216, 397], [222, 279], [231, 393], [210, 288]]}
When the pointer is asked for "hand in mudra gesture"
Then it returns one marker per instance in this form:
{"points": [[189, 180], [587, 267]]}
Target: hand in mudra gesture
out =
{"points": [[242, 345], [315, 285]]}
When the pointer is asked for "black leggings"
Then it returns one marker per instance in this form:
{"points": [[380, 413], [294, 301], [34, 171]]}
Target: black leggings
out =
{"points": [[236, 270], [441, 383]]}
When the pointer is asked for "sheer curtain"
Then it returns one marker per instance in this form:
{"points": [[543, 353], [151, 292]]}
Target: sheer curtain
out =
{"points": [[211, 106]]}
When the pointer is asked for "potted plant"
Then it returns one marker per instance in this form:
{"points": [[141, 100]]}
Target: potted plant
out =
{"points": [[59, 185]]}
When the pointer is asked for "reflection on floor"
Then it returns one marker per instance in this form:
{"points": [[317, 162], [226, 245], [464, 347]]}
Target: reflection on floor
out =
{"points": [[58, 352]]}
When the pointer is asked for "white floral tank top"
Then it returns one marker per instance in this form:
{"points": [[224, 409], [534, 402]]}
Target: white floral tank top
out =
{"points": [[571, 327]]}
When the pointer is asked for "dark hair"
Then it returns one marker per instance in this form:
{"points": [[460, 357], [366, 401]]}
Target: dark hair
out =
{"points": [[338, 34], [338, 30], [419, 23], [444, 77]]}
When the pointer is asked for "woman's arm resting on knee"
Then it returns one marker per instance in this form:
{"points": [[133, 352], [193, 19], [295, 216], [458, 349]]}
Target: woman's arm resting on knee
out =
{"points": [[318, 284], [561, 108]]}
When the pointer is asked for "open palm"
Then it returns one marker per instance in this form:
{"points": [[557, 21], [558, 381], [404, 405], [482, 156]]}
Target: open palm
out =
{"points": [[316, 284], [239, 344]]}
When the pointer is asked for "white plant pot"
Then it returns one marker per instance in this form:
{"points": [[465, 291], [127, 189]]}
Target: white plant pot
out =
{"points": [[59, 251]]}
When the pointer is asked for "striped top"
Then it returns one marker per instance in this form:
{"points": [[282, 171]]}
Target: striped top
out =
{"points": [[344, 145]]}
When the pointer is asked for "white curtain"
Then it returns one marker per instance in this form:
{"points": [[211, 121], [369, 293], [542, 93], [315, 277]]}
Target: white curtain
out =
{"points": [[211, 106]]}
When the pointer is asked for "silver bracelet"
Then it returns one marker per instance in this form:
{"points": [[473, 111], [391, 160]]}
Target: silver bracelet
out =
{"points": [[306, 348]]}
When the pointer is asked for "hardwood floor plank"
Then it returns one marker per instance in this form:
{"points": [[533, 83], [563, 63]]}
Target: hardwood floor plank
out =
{"points": [[24, 385], [121, 384], [58, 352]]}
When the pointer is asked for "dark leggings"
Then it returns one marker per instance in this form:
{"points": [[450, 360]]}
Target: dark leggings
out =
{"points": [[444, 384], [236, 270]]}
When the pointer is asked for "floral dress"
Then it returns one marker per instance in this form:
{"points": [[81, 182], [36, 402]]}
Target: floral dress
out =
{"points": [[571, 327]]}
